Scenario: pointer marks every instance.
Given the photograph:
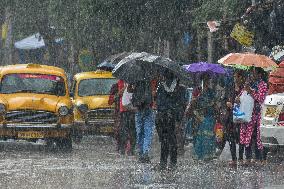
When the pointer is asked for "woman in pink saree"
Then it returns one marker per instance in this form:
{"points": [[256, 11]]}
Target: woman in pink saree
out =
{"points": [[250, 132]]}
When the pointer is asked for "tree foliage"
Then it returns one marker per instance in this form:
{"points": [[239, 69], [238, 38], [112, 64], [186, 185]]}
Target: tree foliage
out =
{"points": [[217, 10], [110, 26]]}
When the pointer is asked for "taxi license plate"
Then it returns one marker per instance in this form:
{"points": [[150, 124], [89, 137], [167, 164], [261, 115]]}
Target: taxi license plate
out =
{"points": [[106, 129], [30, 134]]}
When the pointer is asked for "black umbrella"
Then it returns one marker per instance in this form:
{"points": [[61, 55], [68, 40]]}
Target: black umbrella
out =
{"points": [[145, 66], [106, 66], [167, 64], [136, 67], [109, 63]]}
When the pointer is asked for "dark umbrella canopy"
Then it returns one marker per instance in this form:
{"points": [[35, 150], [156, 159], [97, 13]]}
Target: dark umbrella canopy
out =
{"points": [[136, 67], [109, 63], [106, 66], [145, 66], [174, 67]]}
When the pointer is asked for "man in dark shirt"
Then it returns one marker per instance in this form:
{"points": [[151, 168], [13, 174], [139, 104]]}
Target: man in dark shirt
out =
{"points": [[169, 112]]}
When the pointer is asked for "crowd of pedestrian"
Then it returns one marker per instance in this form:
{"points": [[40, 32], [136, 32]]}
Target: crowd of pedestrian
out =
{"points": [[145, 105]]}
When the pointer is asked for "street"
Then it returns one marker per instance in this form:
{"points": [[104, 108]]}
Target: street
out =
{"points": [[94, 164], [209, 71]]}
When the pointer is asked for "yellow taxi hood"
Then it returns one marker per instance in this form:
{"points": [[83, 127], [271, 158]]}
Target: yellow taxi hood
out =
{"points": [[31, 102], [94, 102]]}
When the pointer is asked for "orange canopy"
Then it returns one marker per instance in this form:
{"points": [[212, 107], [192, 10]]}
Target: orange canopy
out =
{"points": [[248, 59]]}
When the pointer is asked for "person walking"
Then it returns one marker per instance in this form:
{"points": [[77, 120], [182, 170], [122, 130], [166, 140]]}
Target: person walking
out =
{"points": [[127, 128], [250, 132], [191, 125], [114, 98], [226, 117], [203, 109], [142, 100], [169, 114], [180, 122]]}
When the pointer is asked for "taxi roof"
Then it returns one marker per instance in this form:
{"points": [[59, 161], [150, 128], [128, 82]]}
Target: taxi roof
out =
{"points": [[32, 68], [93, 74]]}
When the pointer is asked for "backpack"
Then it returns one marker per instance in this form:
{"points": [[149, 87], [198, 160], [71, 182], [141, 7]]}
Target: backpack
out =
{"points": [[142, 95]]}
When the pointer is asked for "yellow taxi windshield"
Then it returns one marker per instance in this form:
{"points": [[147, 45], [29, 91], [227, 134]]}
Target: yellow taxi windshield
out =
{"points": [[32, 83], [95, 86]]}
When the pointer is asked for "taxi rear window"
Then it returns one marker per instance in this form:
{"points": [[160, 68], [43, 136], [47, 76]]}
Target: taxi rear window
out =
{"points": [[95, 86]]}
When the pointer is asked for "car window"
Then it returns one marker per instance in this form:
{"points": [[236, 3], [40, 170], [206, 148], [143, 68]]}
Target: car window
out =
{"points": [[97, 86], [32, 83]]}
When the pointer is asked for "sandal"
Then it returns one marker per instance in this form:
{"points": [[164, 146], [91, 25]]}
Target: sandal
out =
{"points": [[233, 163], [241, 162]]}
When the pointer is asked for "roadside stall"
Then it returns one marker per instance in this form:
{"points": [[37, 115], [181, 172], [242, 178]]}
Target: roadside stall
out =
{"points": [[276, 80], [33, 49]]}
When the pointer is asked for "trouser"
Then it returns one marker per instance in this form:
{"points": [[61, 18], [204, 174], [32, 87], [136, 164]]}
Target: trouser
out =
{"points": [[158, 128], [144, 122], [241, 151], [233, 138], [253, 143], [127, 131], [117, 123], [265, 152], [180, 135], [233, 149], [167, 122]]}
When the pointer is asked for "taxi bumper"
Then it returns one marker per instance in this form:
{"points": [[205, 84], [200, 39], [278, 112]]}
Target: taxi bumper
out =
{"points": [[35, 131], [95, 127]]}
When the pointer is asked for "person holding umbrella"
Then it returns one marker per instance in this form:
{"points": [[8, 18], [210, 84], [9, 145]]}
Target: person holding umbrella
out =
{"points": [[137, 70], [114, 98], [144, 118], [127, 128], [169, 112], [203, 109], [140, 69], [250, 132]]}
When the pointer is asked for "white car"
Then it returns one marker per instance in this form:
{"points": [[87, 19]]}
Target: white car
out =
{"points": [[272, 122]]}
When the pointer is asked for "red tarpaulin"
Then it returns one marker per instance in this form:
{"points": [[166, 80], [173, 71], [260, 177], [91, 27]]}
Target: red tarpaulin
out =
{"points": [[276, 80]]}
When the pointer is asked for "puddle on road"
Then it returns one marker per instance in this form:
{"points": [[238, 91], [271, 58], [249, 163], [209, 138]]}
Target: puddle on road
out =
{"points": [[91, 165]]}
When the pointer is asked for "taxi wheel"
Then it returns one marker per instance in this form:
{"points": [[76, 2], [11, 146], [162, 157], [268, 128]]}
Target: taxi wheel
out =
{"points": [[65, 144], [77, 136], [51, 144], [2, 147]]}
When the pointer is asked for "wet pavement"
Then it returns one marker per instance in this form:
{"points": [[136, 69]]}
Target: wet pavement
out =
{"points": [[94, 164]]}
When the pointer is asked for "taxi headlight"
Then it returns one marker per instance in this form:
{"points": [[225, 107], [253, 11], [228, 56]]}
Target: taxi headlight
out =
{"points": [[83, 108], [63, 111], [2, 108]]}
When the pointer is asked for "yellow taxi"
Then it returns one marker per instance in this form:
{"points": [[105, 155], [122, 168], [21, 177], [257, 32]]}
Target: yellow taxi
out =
{"points": [[35, 104], [92, 113]]}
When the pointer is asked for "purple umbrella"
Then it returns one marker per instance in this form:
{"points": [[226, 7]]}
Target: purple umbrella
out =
{"points": [[204, 67]]}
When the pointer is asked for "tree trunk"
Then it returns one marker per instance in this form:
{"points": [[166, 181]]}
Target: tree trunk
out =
{"points": [[7, 59], [199, 38], [71, 59], [166, 52], [225, 38], [157, 46], [210, 47], [1, 36]]}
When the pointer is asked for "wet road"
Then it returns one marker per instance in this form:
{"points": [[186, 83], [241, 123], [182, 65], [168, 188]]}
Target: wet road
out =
{"points": [[93, 164]]}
